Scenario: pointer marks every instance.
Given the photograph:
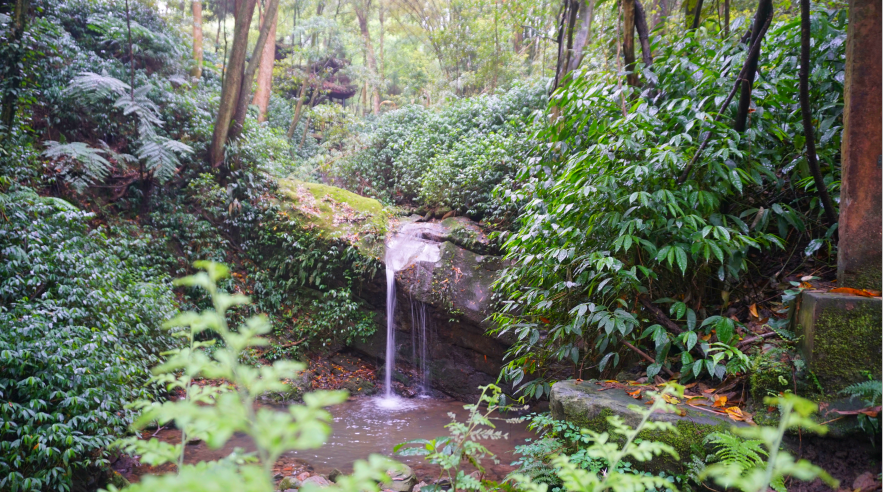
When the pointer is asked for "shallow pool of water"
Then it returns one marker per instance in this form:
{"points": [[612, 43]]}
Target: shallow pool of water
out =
{"points": [[363, 426]]}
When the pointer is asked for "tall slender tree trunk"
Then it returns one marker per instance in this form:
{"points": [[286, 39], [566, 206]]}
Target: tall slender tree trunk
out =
{"points": [[362, 14], [241, 109], [806, 110], [265, 72], [297, 110], [726, 18], [303, 137], [697, 15], [585, 17], [764, 11], [196, 71], [628, 41], [380, 67], [232, 81], [643, 34]]}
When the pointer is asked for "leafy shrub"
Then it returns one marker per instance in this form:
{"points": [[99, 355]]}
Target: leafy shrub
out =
{"points": [[610, 230], [214, 414], [415, 155], [79, 331]]}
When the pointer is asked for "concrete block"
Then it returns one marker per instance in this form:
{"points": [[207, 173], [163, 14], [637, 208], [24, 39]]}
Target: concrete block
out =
{"points": [[841, 336]]}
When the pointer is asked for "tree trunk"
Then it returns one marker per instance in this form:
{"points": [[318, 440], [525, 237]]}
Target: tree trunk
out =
{"points": [[265, 73], [12, 69], [806, 110], [362, 14], [232, 81], [643, 34], [566, 25], [196, 71], [380, 68], [628, 41], [726, 18], [241, 110], [298, 109], [303, 138], [697, 15], [585, 16], [764, 11]]}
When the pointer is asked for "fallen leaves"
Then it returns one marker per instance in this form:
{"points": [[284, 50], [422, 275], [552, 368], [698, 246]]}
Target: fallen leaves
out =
{"points": [[856, 292]]}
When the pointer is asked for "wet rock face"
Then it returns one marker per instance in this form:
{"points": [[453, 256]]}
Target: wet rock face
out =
{"points": [[455, 286]]}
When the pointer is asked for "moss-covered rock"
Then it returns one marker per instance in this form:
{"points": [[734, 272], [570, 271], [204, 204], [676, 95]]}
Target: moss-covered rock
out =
{"points": [[337, 214], [584, 405], [841, 338], [771, 374]]}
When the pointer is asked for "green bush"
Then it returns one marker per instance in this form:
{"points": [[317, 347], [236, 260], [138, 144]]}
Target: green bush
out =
{"points": [[79, 332], [451, 157], [608, 222]]}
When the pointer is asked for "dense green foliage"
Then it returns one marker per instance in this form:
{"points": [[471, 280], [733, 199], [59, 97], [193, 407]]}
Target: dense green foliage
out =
{"points": [[80, 312], [449, 158], [608, 221]]}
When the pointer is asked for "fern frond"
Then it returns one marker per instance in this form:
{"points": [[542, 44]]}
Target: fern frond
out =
{"points": [[161, 156], [93, 86], [733, 450], [869, 391], [146, 110], [93, 167]]}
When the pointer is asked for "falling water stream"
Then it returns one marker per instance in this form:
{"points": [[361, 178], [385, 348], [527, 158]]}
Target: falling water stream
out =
{"points": [[402, 251]]}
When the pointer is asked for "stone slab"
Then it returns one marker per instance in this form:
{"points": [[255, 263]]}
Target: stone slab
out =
{"points": [[840, 337]]}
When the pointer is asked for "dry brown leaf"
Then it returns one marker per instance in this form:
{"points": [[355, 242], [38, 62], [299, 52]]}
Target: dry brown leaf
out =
{"points": [[670, 399], [735, 413], [856, 292], [753, 310]]}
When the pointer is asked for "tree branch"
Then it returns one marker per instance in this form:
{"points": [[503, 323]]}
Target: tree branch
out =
{"points": [[644, 355]]}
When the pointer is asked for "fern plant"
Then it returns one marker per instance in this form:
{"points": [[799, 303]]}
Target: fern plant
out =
{"points": [[83, 165], [870, 394], [748, 467]]}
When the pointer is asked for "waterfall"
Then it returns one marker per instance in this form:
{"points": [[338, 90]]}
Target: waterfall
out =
{"points": [[419, 322], [390, 330], [402, 251]]}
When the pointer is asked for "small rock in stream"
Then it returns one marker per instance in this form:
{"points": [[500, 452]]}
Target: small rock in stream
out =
{"points": [[403, 479], [318, 481], [303, 476]]}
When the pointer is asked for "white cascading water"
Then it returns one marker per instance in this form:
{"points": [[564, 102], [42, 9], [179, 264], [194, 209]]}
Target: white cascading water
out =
{"points": [[402, 251]]}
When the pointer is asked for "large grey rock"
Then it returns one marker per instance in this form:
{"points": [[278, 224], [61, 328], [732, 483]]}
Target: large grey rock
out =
{"points": [[453, 284], [584, 404]]}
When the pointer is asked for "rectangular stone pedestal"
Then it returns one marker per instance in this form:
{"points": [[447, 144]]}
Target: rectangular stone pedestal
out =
{"points": [[841, 337]]}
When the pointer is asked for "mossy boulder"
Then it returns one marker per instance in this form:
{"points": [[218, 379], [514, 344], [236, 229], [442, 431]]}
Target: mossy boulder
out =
{"points": [[337, 214], [585, 405], [841, 337], [771, 374]]}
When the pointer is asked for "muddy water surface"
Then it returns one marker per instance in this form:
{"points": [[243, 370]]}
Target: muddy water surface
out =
{"points": [[363, 426]]}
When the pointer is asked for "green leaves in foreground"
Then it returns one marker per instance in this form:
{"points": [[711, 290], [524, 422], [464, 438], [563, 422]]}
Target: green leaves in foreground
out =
{"points": [[214, 414], [755, 474]]}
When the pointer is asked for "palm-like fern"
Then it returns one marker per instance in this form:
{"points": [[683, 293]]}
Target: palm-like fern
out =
{"points": [[159, 154], [92, 167]]}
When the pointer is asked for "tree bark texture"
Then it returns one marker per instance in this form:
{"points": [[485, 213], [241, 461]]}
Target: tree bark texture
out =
{"points": [[764, 11], [585, 16], [265, 71], [248, 77], [643, 34], [566, 24], [806, 110], [297, 109], [196, 71], [362, 13], [232, 81], [628, 41], [697, 15]]}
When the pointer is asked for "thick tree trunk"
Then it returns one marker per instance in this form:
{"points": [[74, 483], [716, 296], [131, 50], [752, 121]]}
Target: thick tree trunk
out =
{"points": [[764, 11], [265, 73], [585, 16], [196, 71], [806, 111], [371, 60], [628, 41], [241, 110], [697, 15], [643, 34], [297, 110], [232, 82]]}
